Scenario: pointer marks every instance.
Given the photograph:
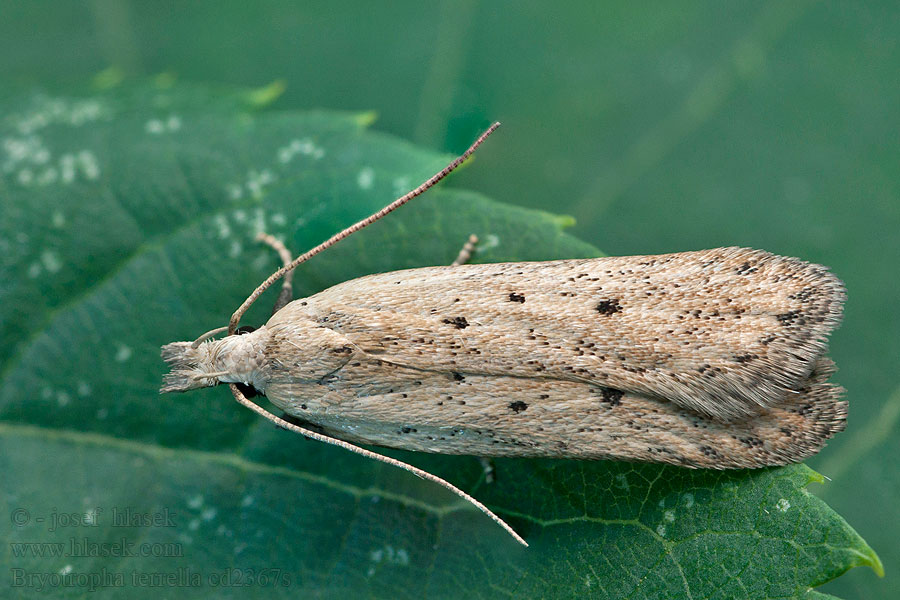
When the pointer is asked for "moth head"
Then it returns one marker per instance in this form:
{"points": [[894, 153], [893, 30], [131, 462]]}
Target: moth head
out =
{"points": [[236, 358], [190, 367]]}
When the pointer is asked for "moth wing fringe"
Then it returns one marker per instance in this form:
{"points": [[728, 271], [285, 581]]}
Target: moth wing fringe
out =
{"points": [[794, 358], [787, 433], [808, 333]]}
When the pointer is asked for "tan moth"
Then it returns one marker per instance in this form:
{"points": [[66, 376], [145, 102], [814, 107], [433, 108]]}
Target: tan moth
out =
{"points": [[709, 359]]}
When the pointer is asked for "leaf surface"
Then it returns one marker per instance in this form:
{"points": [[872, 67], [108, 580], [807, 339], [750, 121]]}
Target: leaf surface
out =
{"points": [[129, 222]]}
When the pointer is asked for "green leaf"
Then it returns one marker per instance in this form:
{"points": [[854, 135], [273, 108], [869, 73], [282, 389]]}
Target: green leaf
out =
{"points": [[129, 222]]}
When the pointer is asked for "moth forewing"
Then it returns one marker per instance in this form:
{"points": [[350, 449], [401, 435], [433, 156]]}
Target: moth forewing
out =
{"points": [[723, 333]]}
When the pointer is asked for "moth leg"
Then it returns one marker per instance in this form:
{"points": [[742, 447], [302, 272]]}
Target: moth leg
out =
{"points": [[466, 253], [287, 292], [488, 465]]}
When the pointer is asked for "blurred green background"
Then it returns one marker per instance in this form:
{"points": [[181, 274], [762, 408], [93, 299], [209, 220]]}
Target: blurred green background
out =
{"points": [[660, 126]]}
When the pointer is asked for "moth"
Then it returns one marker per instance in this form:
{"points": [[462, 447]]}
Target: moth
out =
{"points": [[710, 359]]}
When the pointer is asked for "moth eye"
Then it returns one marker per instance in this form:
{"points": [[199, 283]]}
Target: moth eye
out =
{"points": [[245, 329], [247, 390]]}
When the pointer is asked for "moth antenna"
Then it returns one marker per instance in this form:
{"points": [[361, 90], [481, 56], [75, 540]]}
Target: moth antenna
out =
{"points": [[374, 455], [285, 254], [236, 317]]}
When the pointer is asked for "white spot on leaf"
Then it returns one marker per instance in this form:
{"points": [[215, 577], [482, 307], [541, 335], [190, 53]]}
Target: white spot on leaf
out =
{"points": [[303, 146], [222, 226], [257, 182], [67, 168], [390, 555], [89, 165], [41, 156], [160, 126], [259, 222], [490, 241], [154, 127], [261, 261], [43, 112], [123, 353], [783, 505], [51, 261], [234, 191], [48, 176], [365, 178], [400, 185]]}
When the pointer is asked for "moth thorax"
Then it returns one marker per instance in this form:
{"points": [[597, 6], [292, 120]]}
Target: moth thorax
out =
{"points": [[240, 358]]}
